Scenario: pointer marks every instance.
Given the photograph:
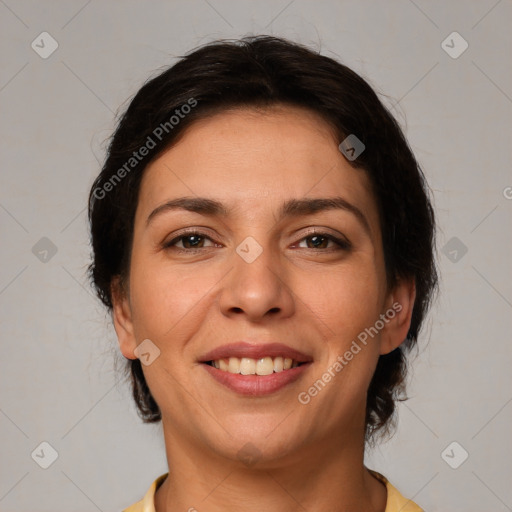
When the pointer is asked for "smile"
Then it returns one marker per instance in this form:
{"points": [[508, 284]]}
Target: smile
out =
{"points": [[248, 366], [255, 369]]}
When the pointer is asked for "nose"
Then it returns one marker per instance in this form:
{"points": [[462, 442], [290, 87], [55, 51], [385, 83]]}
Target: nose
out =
{"points": [[257, 285]]}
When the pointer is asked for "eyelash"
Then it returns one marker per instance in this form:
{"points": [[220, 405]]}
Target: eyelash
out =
{"points": [[343, 245]]}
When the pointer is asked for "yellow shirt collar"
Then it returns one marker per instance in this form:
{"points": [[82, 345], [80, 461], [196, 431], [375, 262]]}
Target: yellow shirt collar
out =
{"points": [[395, 502]]}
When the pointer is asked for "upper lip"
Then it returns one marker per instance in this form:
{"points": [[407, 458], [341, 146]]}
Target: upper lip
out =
{"points": [[254, 351]]}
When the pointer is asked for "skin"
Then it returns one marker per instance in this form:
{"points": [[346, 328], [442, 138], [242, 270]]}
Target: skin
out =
{"points": [[315, 298]]}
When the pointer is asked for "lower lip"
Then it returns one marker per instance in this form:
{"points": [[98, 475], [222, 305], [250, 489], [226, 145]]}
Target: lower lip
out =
{"points": [[256, 385]]}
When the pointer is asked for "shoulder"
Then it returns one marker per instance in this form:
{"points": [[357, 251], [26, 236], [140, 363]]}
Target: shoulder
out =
{"points": [[147, 503], [396, 502]]}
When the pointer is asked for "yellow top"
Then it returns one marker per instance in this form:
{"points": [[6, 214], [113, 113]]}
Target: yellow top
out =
{"points": [[395, 503]]}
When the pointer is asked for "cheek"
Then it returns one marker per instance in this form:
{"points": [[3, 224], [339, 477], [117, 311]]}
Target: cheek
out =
{"points": [[349, 298], [165, 299], [348, 303]]}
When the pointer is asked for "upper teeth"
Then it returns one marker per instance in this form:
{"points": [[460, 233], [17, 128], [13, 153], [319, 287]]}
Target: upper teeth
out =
{"points": [[249, 366]]}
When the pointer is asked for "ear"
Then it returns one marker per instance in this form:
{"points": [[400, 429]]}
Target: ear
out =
{"points": [[122, 317], [399, 307]]}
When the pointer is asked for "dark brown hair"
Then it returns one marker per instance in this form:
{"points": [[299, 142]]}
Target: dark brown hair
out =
{"points": [[264, 71]]}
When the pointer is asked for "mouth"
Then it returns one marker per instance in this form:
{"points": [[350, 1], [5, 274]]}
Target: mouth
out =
{"points": [[248, 366], [255, 370]]}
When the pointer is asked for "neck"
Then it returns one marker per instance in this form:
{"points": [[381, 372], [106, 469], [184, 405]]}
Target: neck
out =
{"points": [[317, 477]]}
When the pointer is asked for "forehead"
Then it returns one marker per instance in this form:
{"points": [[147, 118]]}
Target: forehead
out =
{"points": [[251, 159]]}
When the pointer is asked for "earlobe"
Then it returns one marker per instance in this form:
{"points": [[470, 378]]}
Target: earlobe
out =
{"points": [[122, 318], [399, 312]]}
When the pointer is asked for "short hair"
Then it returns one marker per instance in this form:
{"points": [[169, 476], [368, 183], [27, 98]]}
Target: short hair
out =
{"points": [[261, 72]]}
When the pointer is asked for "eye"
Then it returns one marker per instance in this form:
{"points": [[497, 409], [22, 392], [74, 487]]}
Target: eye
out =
{"points": [[319, 241], [195, 240], [190, 241]]}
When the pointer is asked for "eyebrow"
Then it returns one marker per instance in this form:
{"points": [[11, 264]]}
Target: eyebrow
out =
{"points": [[292, 207]]}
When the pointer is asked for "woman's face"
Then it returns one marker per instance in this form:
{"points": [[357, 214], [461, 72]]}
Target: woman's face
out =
{"points": [[263, 268]]}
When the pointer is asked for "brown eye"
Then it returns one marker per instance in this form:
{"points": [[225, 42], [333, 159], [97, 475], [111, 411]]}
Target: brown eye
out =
{"points": [[192, 241], [321, 241], [318, 242], [189, 242]]}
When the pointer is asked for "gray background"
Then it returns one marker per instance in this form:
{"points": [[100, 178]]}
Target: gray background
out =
{"points": [[58, 378]]}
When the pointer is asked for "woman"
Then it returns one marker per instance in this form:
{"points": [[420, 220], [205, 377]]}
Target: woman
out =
{"points": [[263, 237]]}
